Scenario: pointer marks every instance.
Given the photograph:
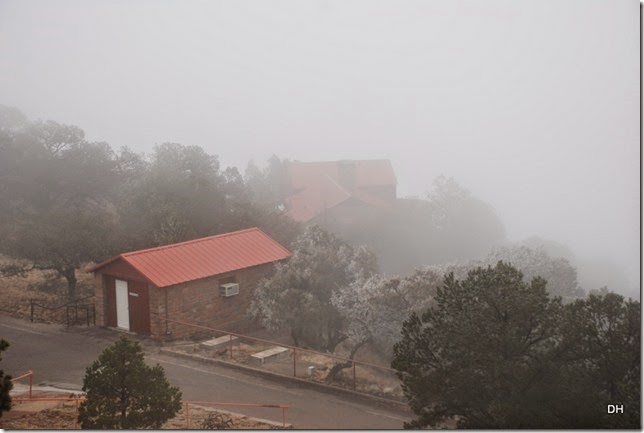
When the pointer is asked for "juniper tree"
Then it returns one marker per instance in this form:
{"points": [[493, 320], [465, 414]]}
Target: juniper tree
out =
{"points": [[125, 393], [479, 352], [5, 384], [495, 351]]}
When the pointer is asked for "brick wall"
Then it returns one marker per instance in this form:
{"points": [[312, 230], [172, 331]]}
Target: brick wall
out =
{"points": [[99, 296], [199, 302]]}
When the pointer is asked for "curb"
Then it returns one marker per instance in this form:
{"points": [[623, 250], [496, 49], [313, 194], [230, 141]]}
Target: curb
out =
{"points": [[366, 398], [273, 424]]}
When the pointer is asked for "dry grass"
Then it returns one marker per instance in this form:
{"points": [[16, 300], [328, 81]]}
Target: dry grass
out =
{"points": [[44, 287], [369, 380]]}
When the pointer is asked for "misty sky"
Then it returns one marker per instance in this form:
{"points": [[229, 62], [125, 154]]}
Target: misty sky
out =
{"points": [[531, 105]]}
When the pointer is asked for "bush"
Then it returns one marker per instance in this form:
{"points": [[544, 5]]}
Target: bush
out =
{"points": [[125, 393]]}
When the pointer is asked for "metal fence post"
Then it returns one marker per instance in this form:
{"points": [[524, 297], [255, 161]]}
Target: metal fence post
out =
{"points": [[76, 417], [354, 375], [230, 344]]}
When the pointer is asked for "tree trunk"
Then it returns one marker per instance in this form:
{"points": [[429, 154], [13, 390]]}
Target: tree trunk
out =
{"points": [[69, 273], [337, 368], [295, 337], [124, 403]]}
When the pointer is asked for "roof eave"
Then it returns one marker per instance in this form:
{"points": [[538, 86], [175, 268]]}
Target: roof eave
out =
{"points": [[94, 268]]}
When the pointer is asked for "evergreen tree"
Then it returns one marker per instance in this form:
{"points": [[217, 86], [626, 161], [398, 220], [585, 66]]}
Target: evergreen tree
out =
{"points": [[5, 384], [479, 352], [125, 393], [494, 351]]}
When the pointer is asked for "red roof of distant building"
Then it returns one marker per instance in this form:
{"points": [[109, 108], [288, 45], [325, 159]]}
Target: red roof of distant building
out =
{"points": [[372, 172], [200, 258], [323, 185]]}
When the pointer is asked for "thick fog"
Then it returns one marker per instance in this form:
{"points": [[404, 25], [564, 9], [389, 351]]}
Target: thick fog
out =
{"points": [[531, 105]]}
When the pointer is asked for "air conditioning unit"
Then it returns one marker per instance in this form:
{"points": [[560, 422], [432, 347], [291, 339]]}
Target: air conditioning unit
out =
{"points": [[230, 289]]}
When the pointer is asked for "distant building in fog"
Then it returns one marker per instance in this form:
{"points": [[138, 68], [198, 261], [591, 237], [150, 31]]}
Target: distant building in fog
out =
{"points": [[341, 190]]}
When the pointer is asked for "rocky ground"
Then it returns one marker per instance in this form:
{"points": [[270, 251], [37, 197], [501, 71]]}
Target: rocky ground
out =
{"points": [[61, 415]]}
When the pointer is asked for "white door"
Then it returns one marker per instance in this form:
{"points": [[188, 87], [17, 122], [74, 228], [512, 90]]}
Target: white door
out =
{"points": [[122, 309]]}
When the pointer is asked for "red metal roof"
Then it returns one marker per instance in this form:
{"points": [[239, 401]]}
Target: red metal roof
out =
{"points": [[323, 185], [200, 258]]}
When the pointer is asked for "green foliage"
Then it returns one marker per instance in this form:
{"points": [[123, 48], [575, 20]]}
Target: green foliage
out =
{"points": [[602, 335], [125, 393], [5, 383], [55, 209], [180, 193], [495, 351], [269, 186], [177, 195], [65, 202]]}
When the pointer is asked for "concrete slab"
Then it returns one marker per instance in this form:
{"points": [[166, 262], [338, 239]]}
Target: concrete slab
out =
{"points": [[272, 354], [219, 342]]}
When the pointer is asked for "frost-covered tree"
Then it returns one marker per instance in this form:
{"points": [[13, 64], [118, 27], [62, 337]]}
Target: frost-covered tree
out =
{"points": [[297, 298], [560, 275], [375, 308], [557, 271]]}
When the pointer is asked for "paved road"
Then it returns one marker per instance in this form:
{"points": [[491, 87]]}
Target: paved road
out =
{"points": [[58, 356]]}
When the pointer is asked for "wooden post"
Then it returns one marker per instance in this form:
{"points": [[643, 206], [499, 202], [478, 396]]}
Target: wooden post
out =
{"points": [[31, 304], [283, 417], [294, 358], [31, 381], [187, 416], [231, 345]]}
